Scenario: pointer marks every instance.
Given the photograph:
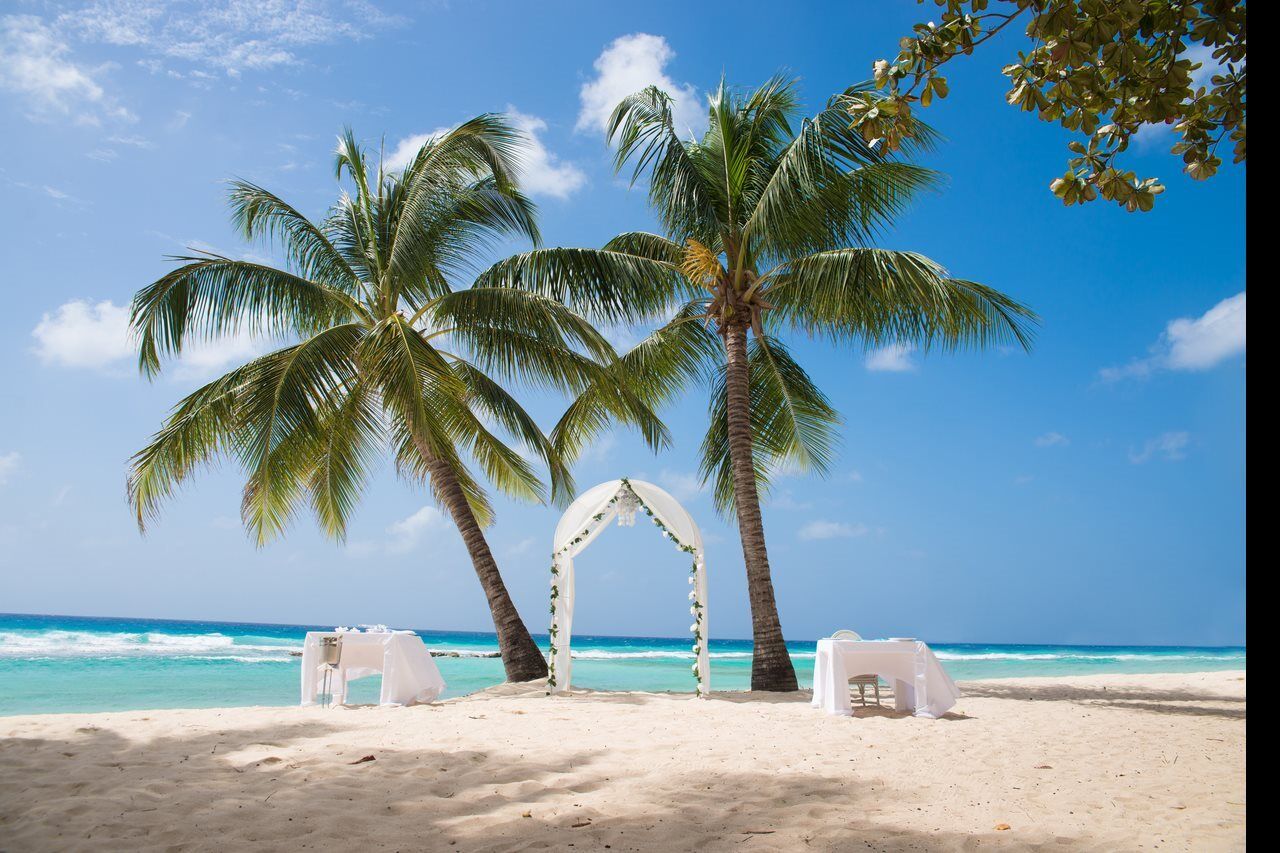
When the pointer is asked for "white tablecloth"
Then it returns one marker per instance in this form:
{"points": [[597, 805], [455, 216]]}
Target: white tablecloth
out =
{"points": [[921, 685], [409, 675]]}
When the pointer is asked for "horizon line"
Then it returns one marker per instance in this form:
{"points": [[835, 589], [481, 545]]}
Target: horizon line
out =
{"points": [[612, 636]]}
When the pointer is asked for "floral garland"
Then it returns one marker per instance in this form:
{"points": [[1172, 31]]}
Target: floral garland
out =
{"points": [[696, 607]]}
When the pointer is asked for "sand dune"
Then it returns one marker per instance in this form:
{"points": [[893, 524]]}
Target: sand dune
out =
{"points": [[1103, 762]]}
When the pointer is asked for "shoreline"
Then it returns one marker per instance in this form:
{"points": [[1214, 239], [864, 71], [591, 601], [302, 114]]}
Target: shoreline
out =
{"points": [[533, 688], [1102, 762]]}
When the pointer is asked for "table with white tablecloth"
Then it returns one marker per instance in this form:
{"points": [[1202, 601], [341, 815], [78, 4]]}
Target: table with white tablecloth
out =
{"points": [[921, 685], [409, 675]]}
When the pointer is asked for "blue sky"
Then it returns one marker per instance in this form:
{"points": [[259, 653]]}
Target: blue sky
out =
{"points": [[1090, 492]]}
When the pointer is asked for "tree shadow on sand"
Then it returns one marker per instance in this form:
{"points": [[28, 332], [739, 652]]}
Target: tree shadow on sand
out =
{"points": [[1196, 703], [96, 789], [254, 789]]}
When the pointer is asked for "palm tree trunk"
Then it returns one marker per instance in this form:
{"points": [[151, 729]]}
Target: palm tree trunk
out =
{"points": [[771, 667], [520, 655]]}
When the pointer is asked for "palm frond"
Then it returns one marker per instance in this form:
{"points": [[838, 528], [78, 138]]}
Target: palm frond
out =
{"points": [[261, 215], [492, 401], [793, 425], [643, 128], [350, 432], [649, 376], [280, 412], [211, 296], [879, 296], [609, 286]]}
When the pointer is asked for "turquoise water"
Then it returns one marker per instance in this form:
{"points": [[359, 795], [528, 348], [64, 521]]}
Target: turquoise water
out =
{"points": [[74, 663]]}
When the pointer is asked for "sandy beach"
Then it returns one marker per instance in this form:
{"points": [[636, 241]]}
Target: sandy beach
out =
{"points": [[1117, 762]]}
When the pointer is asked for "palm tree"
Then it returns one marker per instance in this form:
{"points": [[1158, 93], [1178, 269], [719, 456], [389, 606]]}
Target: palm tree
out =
{"points": [[386, 353], [768, 228]]}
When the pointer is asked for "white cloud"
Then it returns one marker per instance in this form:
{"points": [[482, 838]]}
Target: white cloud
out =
{"points": [[233, 36], [787, 500], [629, 64], [134, 140], [205, 359], [404, 535], [1191, 343], [81, 334], [1203, 54], [601, 450], [822, 529], [680, 484], [894, 358], [9, 463], [523, 546], [1052, 439], [541, 172], [1170, 446], [406, 149], [36, 65]]}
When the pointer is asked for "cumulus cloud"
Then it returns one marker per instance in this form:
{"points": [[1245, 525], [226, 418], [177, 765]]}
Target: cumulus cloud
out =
{"points": [[36, 65], [631, 63], [1169, 446], [9, 463], [1191, 343], [406, 149], [404, 535], [1052, 439], [822, 529], [894, 358], [95, 336], [682, 485], [85, 335], [542, 173]]}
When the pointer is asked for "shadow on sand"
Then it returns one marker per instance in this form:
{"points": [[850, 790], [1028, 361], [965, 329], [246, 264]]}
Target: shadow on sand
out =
{"points": [[1196, 703], [251, 788]]}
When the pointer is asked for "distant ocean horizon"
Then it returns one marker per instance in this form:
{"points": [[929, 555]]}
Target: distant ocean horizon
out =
{"points": [[56, 664]]}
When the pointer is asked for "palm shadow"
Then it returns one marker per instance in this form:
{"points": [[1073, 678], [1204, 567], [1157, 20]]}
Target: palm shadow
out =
{"points": [[1184, 702]]}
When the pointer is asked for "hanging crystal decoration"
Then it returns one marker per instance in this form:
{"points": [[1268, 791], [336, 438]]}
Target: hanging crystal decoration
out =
{"points": [[627, 506]]}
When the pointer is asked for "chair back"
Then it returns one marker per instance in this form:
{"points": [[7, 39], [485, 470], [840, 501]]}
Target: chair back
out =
{"points": [[846, 634]]}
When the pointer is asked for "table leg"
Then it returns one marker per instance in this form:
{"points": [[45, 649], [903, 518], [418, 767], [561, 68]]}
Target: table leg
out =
{"points": [[904, 696]]}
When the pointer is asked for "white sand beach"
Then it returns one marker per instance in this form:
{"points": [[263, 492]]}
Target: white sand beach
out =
{"points": [[1118, 762]]}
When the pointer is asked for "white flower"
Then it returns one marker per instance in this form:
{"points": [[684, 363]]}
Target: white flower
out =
{"points": [[696, 649], [693, 610], [695, 669], [691, 579], [693, 627], [693, 595]]}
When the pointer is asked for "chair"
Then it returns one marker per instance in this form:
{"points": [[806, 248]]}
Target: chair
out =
{"points": [[862, 682]]}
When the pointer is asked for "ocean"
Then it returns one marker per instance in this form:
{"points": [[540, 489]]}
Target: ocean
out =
{"points": [[51, 664]]}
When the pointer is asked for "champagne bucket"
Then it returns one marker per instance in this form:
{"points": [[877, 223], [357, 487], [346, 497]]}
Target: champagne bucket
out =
{"points": [[330, 650]]}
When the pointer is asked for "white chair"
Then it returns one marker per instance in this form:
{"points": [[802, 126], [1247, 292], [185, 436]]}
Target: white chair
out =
{"points": [[862, 682]]}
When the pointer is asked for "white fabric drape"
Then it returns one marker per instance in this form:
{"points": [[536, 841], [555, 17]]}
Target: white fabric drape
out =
{"points": [[921, 685], [579, 522], [409, 675]]}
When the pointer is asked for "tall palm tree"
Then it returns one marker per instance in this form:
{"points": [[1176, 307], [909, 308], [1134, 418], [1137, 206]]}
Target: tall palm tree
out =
{"points": [[768, 228], [386, 353]]}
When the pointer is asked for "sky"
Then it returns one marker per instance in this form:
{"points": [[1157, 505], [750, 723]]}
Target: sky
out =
{"points": [[1090, 491]]}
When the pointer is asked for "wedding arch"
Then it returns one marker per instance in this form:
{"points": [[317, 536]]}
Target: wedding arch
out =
{"points": [[581, 523]]}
